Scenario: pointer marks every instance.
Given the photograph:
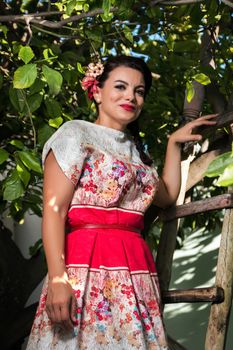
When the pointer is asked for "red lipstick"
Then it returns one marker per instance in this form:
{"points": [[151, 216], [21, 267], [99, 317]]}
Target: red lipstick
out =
{"points": [[127, 107]]}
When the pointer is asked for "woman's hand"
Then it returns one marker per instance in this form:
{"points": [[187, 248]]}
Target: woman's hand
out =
{"points": [[185, 133], [61, 302], [170, 181]]}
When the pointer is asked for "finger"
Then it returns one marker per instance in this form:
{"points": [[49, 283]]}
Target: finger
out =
{"points": [[65, 317], [48, 310], [208, 116], [50, 313], [199, 123], [193, 137], [204, 122], [56, 309], [73, 309]]}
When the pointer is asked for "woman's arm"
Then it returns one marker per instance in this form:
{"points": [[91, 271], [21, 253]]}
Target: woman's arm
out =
{"points": [[170, 181], [57, 194]]}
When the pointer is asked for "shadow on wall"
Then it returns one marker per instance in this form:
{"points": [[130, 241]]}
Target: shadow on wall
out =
{"points": [[194, 266]]}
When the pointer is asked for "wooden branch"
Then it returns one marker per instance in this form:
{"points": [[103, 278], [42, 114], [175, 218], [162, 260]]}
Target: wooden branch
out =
{"points": [[16, 18], [59, 24], [204, 205], [167, 242], [220, 313], [207, 58], [34, 17], [199, 166], [228, 2], [175, 2], [196, 295], [223, 119]]}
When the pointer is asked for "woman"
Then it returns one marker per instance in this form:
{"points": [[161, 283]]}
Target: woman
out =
{"points": [[102, 290]]}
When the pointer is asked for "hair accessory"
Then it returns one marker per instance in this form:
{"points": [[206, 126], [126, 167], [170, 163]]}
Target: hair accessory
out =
{"points": [[89, 82]]}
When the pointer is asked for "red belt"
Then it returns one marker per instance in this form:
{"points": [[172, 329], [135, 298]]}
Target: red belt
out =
{"points": [[108, 226]]}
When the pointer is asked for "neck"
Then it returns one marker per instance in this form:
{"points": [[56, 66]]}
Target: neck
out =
{"points": [[110, 124]]}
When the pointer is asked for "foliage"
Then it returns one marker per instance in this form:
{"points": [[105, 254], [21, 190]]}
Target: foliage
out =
{"points": [[42, 62], [222, 166], [44, 48]]}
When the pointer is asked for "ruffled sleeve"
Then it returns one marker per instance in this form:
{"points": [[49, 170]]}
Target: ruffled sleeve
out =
{"points": [[67, 146]]}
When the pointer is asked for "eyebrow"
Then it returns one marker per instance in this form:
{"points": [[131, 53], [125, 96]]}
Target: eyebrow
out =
{"points": [[122, 81]]}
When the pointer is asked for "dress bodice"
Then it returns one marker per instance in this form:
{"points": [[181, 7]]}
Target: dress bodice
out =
{"points": [[104, 165]]}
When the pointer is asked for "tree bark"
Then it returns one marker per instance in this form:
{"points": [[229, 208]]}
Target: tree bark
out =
{"points": [[219, 315], [167, 241], [204, 205], [196, 295]]}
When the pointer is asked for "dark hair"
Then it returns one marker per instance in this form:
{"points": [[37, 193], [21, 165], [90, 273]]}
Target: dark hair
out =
{"points": [[130, 62], [141, 66]]}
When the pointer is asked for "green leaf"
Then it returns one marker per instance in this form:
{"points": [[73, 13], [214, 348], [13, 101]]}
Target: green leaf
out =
{"points": [[53, 108], [53, 78], [44, 134], [226, 179], [106, 6], [36, 87], [33, 250], [190, 91], [85, 7], [70, 7], [11, 178], [3, 155], [16, 98], [18, 205], [13, 187], [34, 102], [26, 54], [202, 79], [55, 122], [25, 76], [128, 34], [4, 29], [49, 55], [30, 160], [80, 68], [94, 35], [218, 165], [17, 143], [23, 173]]}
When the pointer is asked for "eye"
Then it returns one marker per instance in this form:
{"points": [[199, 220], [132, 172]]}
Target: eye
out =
{"points": [[141, 93], [120, 87]]}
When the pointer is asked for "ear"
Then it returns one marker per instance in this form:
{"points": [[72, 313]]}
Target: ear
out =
{"points": [[98, 95]]}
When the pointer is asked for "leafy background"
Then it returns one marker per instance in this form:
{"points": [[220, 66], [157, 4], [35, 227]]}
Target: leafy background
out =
{"points": [[45, 47]]}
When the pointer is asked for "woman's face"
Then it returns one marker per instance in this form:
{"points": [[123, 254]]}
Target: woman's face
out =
{"points": [[121, 98]]}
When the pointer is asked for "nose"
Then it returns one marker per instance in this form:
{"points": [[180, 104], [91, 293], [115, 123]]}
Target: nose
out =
{"points": [[130, 95]]}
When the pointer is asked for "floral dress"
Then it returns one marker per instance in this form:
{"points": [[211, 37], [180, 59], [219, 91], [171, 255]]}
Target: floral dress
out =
{"points": [[111, 270]]}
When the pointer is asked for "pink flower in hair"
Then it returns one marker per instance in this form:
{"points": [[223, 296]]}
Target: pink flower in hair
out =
{"points": [[90, 82]]}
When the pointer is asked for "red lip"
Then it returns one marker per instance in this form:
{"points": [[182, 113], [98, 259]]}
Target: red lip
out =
{"points": [[127, 107]]}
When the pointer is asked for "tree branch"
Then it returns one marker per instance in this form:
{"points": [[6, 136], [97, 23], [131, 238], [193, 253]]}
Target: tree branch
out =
{"points": [[229, 3], [198, 207], [15, 18], [175, 2], [33, 17], [60, 24]]}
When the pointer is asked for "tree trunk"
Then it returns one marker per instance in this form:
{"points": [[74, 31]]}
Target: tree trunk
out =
{"points": [[219, 315]]}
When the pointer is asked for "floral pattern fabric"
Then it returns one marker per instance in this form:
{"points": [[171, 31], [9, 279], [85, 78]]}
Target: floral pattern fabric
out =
{"points": [[115, 310], [112, 272], [105, 166]]}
